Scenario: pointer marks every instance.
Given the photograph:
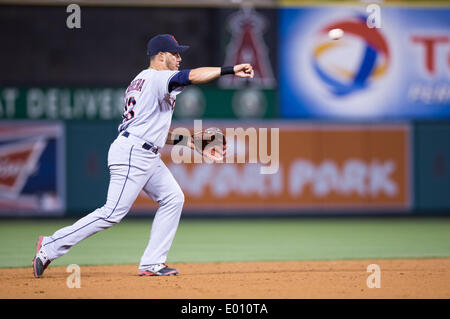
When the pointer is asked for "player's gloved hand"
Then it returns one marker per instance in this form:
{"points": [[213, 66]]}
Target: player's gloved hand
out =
{"points": [[211, 143]]}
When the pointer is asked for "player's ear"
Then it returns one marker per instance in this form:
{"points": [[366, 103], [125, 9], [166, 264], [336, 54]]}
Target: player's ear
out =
{"points": [[155, 58]]}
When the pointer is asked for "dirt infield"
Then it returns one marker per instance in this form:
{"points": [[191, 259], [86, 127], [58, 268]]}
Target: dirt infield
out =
{"points": [[399, 278]]}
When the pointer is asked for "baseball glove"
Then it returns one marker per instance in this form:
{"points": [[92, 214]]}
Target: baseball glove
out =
{"points": [[211, 143]]}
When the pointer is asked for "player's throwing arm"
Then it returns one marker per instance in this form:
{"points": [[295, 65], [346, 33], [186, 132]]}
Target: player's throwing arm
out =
{"points": [[134, 159]]}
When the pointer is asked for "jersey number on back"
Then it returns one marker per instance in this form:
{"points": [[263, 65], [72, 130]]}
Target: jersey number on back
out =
{"points": [[128, 113]]}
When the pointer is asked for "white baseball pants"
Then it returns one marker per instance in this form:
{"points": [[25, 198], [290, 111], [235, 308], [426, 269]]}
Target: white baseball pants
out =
{"points": [[132, 169]]}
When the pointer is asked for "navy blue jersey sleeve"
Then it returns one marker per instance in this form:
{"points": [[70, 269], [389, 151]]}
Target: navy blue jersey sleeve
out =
{"points": [[179, 79]]}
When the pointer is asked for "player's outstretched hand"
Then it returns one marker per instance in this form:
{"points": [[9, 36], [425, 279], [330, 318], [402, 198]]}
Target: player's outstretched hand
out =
{"points": [[243, 70]]}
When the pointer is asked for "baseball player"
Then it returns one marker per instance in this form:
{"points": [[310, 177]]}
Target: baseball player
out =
{"points": [[134, 159]]}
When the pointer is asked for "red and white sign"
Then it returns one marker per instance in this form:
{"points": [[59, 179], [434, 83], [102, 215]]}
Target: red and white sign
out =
{"points": [[247, 46], [31, 168]]}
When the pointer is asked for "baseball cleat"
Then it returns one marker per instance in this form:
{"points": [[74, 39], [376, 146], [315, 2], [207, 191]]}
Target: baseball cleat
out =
{"points": [[40, 260], [158, 270]]}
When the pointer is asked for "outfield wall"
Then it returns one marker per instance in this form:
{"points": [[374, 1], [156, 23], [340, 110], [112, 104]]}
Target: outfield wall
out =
{"points": [[432, 167], [60, 168], [363, 122]]}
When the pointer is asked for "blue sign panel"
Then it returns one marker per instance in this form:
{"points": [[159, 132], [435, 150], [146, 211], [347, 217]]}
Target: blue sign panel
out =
{"points": [[32, 168], [393, 63]]}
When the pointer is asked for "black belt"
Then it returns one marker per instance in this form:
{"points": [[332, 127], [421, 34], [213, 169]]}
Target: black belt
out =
{"points": [[147, 146]]}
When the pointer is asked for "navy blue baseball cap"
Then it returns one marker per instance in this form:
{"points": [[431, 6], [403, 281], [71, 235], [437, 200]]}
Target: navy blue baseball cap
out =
{"points": [[164, 43]]}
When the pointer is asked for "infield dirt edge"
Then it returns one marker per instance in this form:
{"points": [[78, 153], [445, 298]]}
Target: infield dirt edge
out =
{"points": [[337, 279]]}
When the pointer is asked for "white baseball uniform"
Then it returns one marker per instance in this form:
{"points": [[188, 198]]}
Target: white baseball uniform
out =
{"points": [[134, 166]]}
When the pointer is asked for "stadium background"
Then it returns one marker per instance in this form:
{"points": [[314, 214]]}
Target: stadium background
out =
{"points": [[364, 148]]}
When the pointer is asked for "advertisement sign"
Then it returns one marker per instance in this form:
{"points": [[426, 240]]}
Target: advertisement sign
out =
{"points": [[252, 39], [297, 167], [31, 168], [37, 103], [389, 63], [196, 101]]}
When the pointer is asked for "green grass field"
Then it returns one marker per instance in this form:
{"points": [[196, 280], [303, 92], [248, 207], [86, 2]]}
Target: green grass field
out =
{"points": [[222, 240]]}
